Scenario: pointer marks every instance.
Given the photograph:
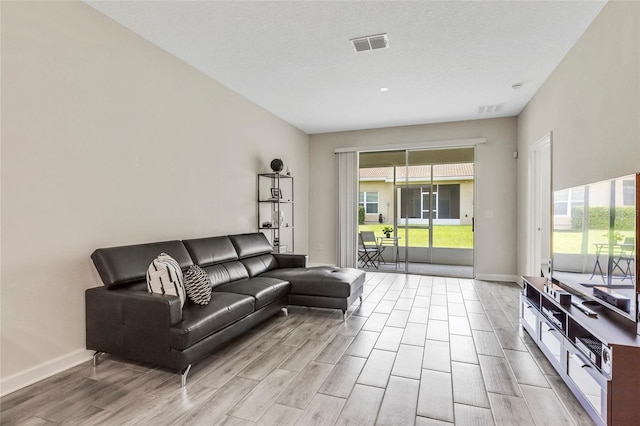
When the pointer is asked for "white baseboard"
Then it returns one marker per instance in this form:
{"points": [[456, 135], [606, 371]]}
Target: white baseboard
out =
{"points": [[40, 372], [498, 277]]}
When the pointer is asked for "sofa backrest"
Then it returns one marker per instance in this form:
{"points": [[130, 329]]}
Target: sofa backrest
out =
{"points": [[125, 266], [248, 245], [218, 257], [211, 250], [254, 251], [225, 259]]}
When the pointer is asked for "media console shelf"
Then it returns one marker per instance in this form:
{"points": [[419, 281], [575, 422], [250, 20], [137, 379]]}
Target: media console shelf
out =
{"points": [[595, 351]]}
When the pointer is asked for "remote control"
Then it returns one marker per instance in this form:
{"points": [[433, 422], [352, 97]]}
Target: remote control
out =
{"points": [[588, 312]]}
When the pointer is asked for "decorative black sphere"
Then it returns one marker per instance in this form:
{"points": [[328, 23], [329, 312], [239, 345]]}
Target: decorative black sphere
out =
{"points": [[277, 165]]}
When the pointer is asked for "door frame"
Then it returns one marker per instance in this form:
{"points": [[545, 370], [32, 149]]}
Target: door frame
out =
{"points": [[534, 223], [407, 148], [347, 242]]}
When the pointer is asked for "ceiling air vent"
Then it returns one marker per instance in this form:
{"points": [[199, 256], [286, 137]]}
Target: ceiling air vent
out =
{"points": [[489, 109], [378, 41]]}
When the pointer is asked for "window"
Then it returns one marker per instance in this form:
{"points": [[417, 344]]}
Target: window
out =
{"points": [[449, 201], [565, 201], [369, 200], [445, 202], [628, 193], [411, 206]]}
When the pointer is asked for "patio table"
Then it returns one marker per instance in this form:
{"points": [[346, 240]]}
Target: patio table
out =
{"points": [[390, 242]]}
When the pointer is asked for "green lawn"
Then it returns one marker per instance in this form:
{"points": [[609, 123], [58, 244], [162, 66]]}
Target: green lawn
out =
{"points": [[571, 241], [450, 236]]}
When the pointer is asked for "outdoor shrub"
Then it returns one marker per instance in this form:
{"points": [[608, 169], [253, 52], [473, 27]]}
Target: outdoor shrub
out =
{"points": [[360, 215], [577, 213], [599, 218], [625, 218]]}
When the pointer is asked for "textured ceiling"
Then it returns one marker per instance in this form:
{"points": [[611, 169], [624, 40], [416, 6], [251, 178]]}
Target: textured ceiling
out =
{"points": [[295, 59]]}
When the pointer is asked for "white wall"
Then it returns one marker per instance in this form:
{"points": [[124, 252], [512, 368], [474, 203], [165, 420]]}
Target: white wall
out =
{"points": [[108, 140], [495, 237], [591, 103]]}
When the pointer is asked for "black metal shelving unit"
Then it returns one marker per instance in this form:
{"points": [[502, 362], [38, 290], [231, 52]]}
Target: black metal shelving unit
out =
{"points": [[276, 210]]}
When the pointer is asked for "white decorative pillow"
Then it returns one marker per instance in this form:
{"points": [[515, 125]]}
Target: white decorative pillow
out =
{"points": [[164, 276], [198, 285]]}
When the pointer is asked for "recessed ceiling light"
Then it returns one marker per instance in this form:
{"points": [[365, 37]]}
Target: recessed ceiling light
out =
{"points": [[517, 86], [384, 89]]}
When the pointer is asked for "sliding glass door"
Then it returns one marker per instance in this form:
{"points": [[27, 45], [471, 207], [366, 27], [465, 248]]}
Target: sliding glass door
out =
{"points": [[379, 209], [425, 198]]}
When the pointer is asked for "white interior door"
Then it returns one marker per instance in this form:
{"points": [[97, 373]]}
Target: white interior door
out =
{"points": [[539, 223]]}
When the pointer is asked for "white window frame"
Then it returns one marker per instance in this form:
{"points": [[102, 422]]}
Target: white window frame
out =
{"points": [[422, 203], [570, 202], [364, 202], [630, 200]]}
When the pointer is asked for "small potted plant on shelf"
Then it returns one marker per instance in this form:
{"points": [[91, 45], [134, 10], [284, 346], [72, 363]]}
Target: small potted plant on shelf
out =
{"points": [[387, 230]]}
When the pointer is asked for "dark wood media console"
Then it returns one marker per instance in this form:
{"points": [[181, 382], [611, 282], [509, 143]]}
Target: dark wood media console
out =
{"points": [[595, 351]]}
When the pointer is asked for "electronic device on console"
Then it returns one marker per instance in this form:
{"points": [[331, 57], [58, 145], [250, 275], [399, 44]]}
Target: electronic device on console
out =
{"points": [[598, 352], [554, 316], [616, 299], [560, 295], [591, 348]]}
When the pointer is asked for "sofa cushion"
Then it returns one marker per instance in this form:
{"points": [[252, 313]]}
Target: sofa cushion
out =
{"points": [[200, 321], [119, 266], [264, 290], [320, 281], [210, 251], [226, 272], [198, 285], [164, 276], [248, 245], [258, 264]]}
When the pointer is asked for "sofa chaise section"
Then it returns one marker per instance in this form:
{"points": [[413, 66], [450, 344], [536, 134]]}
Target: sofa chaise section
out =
{"points": [[322, 286]]}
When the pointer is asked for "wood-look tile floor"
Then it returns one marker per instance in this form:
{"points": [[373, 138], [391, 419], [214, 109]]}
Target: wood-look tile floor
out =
{"points": [[419, 350]]}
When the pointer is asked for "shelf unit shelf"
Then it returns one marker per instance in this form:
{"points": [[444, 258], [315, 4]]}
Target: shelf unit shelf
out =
{"points": [[275, 205]]}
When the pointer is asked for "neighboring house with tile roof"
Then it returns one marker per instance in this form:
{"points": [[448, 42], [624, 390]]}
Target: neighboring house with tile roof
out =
{"points": [[452, 197]]}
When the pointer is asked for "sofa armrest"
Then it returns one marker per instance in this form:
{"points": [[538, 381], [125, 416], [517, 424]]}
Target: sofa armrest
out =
{"points": [[132, 324], [291, 260]]}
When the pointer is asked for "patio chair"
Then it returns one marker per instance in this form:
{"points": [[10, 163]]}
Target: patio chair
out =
{"points": [[369, 252], [623, 262]]}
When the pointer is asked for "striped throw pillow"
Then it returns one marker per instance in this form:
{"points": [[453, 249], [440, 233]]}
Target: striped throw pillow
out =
{"points": [[198, 285], [164, 276]]}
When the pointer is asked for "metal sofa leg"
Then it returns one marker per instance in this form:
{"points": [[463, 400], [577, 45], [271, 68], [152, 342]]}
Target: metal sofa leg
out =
{"points": [[344, 316], [96, 356], [183, 376], [361, 299], [285, 311]]}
